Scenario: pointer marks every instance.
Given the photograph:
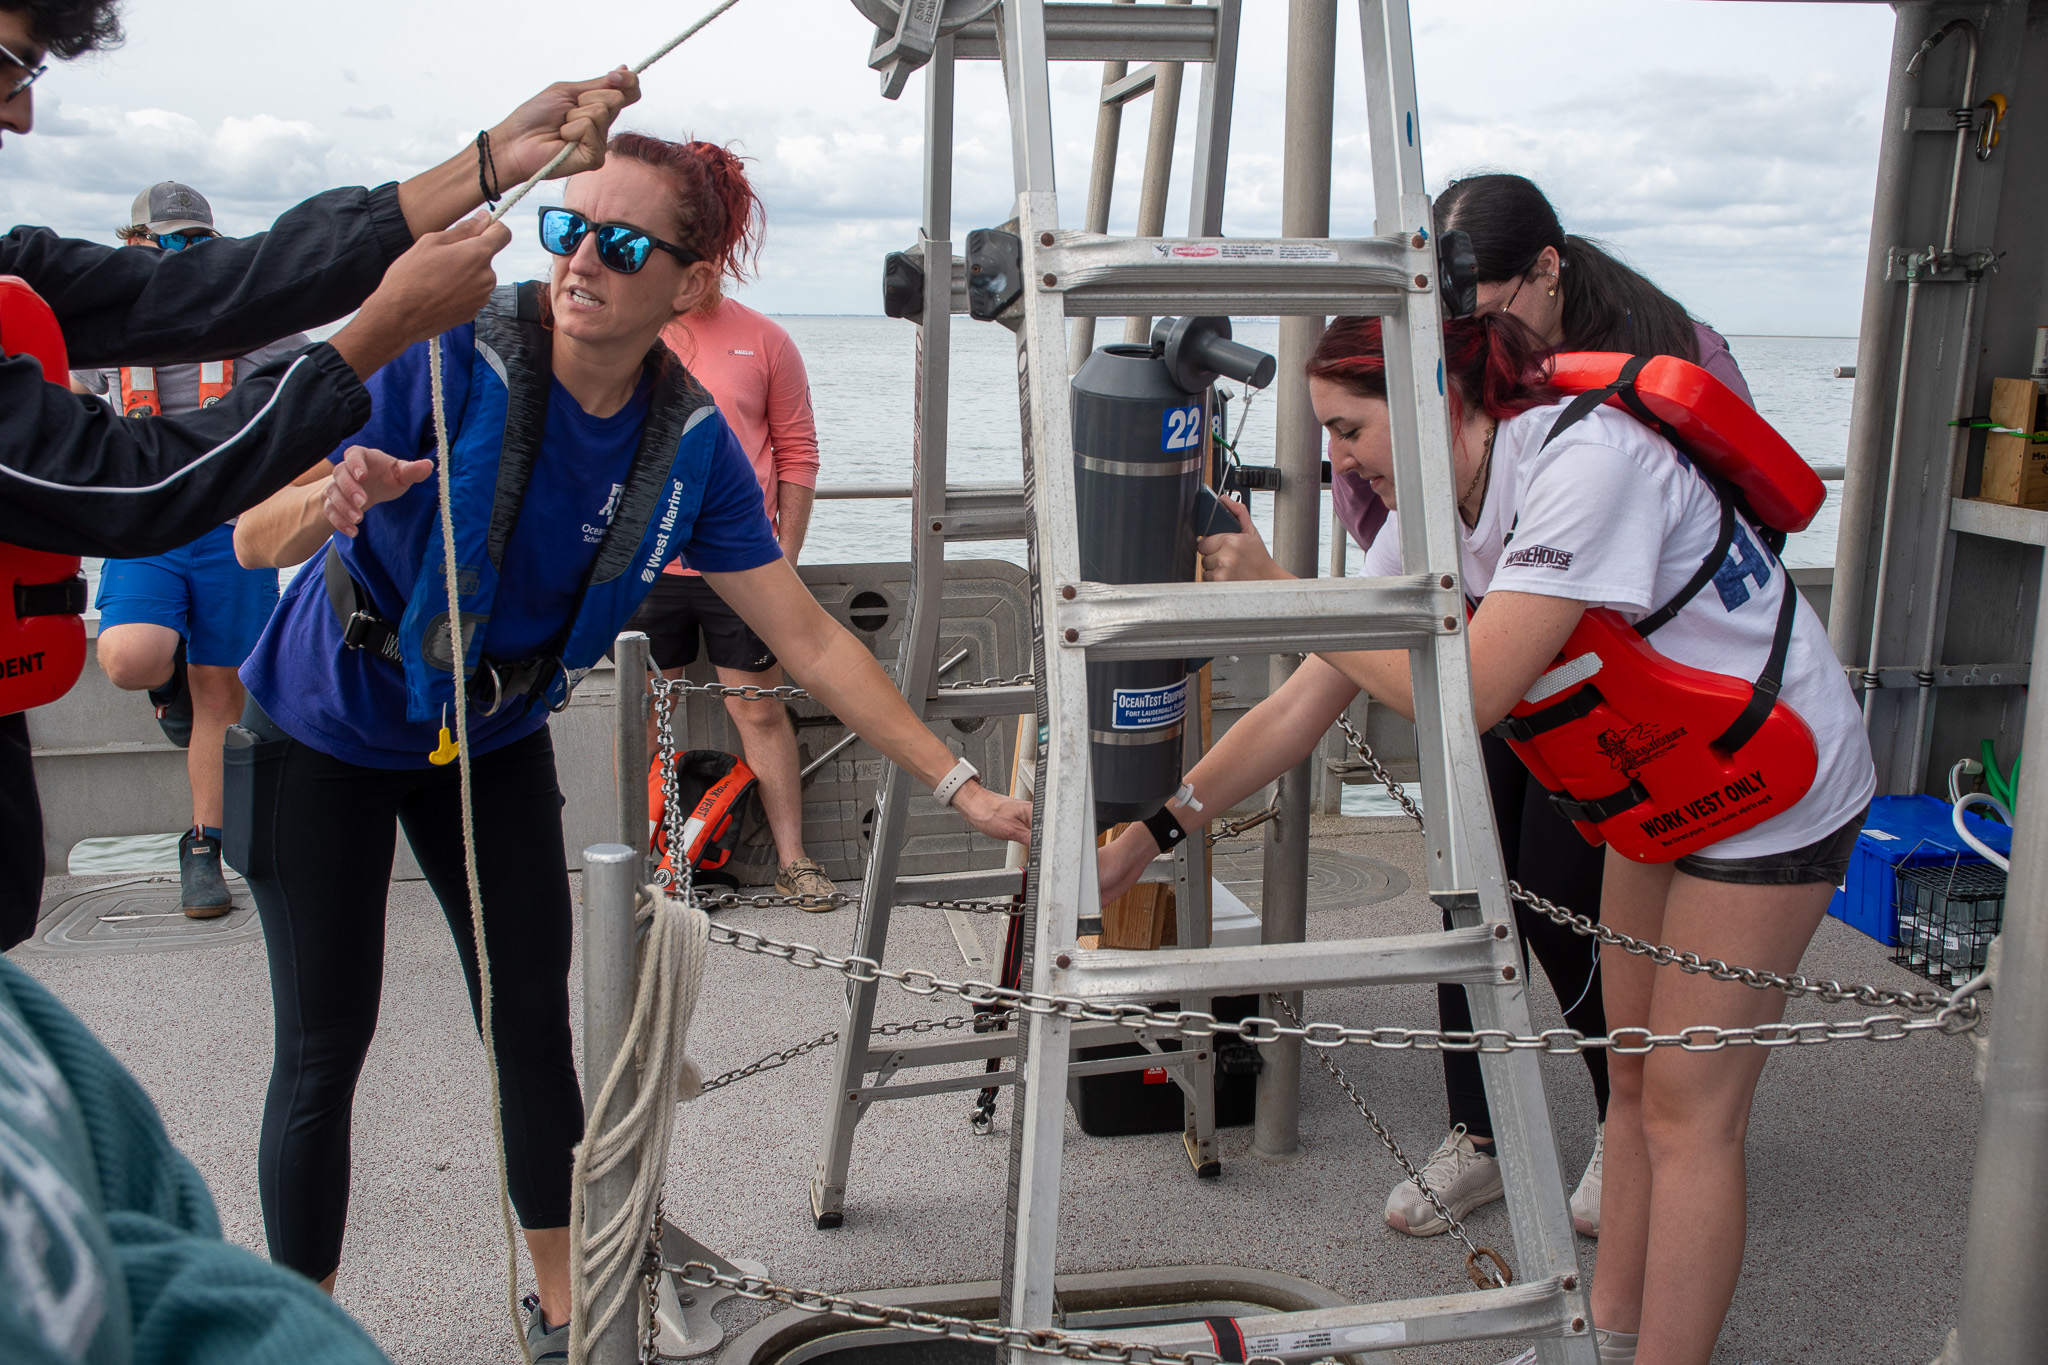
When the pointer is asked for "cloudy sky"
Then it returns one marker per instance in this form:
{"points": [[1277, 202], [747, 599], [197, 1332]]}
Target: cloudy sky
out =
{"points": [[1728, 148]]}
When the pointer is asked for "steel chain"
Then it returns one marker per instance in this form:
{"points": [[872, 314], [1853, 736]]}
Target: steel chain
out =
{"points": [[791, 692], [1484, 1278], [1042, 1340], [776, 1060], [1762, 979], [1230, 829], [727, 900], [1958, 1014]]}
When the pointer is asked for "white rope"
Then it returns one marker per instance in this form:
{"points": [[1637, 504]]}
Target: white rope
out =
{"points": [[519, 191], [457, 655], [604, 1268]]}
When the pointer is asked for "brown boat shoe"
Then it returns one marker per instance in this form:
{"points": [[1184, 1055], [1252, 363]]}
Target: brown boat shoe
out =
{"points": [[806, 883]]}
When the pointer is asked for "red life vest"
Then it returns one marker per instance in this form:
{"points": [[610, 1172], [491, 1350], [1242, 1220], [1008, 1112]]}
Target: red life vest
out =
{"points": [[1641, 752], [717, 787], [139, 396], [42, 597]]}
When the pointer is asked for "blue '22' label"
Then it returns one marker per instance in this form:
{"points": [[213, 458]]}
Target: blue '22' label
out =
{"points": [[1147, 708], [1181, 428]]}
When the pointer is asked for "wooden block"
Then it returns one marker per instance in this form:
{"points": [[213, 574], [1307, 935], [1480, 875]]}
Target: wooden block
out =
{"points": [[1137, 919], [2015, 469]]}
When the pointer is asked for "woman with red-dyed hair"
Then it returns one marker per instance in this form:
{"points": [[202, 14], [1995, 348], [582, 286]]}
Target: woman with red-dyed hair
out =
{"points": [[753, 368], [1605, 513], [584, 459]]}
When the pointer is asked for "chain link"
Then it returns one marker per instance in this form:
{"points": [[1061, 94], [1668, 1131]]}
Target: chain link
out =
{"points": [[791, 692], [728, 900], [1483, 1276], [1042, 1340], [776, 1060], [1957, 1014], [1230, 829], [1757, 978]]}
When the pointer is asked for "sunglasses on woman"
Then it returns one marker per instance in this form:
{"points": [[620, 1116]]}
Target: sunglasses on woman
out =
{"points": [[621, 247]]}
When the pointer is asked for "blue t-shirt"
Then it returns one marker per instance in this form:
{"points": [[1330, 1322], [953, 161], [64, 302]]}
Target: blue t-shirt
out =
{"points": [[350, 703]]}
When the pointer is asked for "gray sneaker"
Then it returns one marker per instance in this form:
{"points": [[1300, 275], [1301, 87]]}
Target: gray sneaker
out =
{"points": [[1586, 1198], [204, 891], [543, 1343], [1459, 1173]]}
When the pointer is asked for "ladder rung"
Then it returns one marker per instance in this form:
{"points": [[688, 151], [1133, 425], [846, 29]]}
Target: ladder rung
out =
{"points": [[964, 702], [1106, 33], [978, 884], [980, 1047], [1535, 1308], [1106, 276], [991, 512], [1168, 620], [1470, 955]]}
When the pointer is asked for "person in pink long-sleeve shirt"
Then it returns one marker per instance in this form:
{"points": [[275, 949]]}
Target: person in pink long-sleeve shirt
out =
{"points": [[753, 369]]}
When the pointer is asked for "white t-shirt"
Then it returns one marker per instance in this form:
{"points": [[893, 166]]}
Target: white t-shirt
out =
{"points": [[1610, 514]]}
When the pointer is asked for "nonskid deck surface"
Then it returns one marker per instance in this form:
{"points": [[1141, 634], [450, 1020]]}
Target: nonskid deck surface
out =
{"points": [[1860, 1154]]}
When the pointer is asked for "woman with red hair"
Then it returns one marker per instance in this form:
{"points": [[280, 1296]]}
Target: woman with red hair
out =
{"points": [[1604, 513], [583, 460]]}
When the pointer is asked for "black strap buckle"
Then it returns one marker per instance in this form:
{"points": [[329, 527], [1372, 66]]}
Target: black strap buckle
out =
{"points": [[66, 597], [1602, 808], [1577, 706]]}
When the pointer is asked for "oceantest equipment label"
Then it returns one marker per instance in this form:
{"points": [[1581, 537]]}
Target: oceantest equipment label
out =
{"points": [[1148, 708]]}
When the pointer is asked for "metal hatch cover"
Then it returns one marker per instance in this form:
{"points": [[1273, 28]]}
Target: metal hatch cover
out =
{"points": [[137, 915]]}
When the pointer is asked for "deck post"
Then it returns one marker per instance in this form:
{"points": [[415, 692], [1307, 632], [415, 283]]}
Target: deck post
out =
{"points": [[609, 877], [630, 709], [1297, 526], [2005, 1314]]}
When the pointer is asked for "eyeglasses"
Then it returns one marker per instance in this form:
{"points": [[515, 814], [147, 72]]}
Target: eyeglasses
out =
{"points": [[178, 241], [34, 74], [620, 246]]}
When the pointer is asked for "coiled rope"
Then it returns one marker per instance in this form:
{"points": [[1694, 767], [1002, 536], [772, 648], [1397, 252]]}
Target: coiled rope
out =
{"points": [[458, 655], [604, 1268]]}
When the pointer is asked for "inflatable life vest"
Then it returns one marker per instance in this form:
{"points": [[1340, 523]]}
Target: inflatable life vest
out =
{"points": [[139, 396], [495, 443], [42, 597], [1645, 754], [718, 788]]}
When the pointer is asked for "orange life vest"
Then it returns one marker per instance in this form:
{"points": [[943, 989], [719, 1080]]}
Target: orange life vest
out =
{"points": [[139, 396], [1650, 756], [718, 787], [42, 596]]}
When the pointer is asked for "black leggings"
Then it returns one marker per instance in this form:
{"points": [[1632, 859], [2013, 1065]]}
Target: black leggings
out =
{"points": [[1546, 855], [21, 834], [327, 839]]}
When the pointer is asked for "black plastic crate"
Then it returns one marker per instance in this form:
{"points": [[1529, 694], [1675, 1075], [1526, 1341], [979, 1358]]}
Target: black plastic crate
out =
{"points": [[1948, 915], [1126, 1102]]}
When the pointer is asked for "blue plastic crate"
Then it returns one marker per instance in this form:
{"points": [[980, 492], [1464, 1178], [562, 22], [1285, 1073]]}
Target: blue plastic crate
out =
{"points": [[1901, 832]]}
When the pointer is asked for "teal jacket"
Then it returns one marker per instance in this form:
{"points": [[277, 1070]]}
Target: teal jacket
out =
{"points": [[110, 1250]]}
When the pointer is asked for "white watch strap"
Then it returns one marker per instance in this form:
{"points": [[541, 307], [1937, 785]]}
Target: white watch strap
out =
{"points": [[950, 785]]}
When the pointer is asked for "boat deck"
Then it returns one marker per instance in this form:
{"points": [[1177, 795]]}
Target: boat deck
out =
{"points": [[1860, 1154]]}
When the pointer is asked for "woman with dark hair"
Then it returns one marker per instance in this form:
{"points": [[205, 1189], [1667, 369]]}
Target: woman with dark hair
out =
{"points": [[584, 458], [1626, 522], [1574, 295]]}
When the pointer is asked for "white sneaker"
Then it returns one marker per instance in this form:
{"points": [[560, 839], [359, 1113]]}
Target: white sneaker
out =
{"points": [[1586, 1198], [1460, 1174]]}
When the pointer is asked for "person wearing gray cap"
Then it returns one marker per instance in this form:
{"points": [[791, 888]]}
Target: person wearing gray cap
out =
{"points": [[179, 624]]}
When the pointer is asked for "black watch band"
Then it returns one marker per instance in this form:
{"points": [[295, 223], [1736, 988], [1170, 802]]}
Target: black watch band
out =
{"points": [[1166, 831]]}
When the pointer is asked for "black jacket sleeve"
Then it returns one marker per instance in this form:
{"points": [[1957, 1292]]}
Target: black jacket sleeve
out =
{"points": [[76, 477], [129, 306]]}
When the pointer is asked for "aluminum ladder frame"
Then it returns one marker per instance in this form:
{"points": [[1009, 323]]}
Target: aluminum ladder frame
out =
{"points": [[863, 1074], [1070, 274]]}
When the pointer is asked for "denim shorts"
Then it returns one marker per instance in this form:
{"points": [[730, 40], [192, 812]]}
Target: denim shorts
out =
{"points": [[1825, 861]]}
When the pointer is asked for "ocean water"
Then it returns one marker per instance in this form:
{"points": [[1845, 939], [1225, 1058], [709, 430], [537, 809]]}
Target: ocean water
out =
{"points": [[862, 372]]}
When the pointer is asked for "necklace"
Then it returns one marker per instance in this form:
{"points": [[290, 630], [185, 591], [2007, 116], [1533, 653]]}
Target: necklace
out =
{"points": [[1479, 479]]}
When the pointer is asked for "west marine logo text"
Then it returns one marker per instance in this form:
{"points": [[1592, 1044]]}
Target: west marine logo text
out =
{"points": [[664, 533]]}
